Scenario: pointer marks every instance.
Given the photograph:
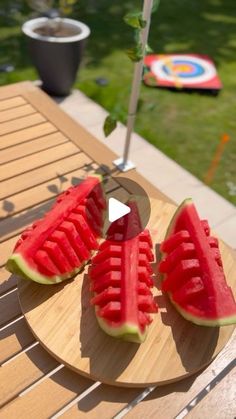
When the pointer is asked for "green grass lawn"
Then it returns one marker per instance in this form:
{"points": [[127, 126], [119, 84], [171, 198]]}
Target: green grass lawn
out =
{"points": [[185, 126]]}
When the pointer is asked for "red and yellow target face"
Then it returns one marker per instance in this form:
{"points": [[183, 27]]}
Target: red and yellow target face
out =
{"points": [[182, 68], [182, 71]]}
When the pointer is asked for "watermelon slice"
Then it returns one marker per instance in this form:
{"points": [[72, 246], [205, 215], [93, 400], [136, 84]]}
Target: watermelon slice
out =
{"points": [[56, 247], [121, 280], [193, 270]]}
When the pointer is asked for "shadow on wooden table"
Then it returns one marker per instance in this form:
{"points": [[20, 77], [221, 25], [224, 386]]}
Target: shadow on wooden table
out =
{"points": [[101, 349], [189, 338]]}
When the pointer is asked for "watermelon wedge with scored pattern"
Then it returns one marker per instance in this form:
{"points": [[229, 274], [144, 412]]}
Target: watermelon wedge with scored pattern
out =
{"points": [[121, 279], [57, 246], [193, 270]]}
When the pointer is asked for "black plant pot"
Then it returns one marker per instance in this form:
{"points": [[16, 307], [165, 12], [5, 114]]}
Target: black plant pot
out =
{"points": [[56, 59]]}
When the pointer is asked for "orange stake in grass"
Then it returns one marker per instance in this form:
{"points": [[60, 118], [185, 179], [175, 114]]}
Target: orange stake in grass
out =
{"points": [[216, 159]]}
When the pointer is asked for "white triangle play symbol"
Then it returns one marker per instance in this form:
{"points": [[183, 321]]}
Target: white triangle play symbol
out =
{"points": [[116, 209]]}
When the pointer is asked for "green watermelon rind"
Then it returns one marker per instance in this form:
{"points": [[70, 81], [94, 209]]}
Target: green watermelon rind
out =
{"points": [[17, 265], [128, 331], [201, 321]]}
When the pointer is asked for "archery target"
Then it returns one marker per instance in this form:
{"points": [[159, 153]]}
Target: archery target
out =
{"points": [[183, 68]]}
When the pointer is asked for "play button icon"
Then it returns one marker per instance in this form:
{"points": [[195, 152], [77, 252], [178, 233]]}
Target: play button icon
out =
{"points": [[126, 212], [116, 209]]}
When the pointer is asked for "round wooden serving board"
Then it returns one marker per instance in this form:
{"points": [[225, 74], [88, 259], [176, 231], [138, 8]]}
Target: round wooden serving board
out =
{"points": [[63, 321]]}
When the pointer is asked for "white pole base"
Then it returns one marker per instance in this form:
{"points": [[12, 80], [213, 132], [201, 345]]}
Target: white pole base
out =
{"points": [[123, 167]]}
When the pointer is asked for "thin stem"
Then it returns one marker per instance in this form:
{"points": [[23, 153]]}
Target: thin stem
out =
{"points": [[137, 78]]}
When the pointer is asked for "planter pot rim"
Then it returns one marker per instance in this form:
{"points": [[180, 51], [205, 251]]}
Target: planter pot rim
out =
{"points": [[29, 26]]}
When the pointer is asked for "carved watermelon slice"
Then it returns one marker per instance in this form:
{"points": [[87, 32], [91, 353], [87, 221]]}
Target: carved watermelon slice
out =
{"points": [[193, 271], [121, 278], [56, 247]]}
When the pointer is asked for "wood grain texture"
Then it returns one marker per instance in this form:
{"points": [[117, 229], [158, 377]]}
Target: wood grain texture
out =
{"points": [[174, 348], [48, 397], [31, 147], [20, 123], [27, 134], [14, 338], [44, 191], [23, 371], [40, 159], [219, 402], [15, 113], [11, 103], [40, 175]]}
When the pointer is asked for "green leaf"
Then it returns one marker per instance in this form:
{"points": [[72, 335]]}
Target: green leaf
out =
{"points": [[110, 124], [148, 49], [155, 5], [135, 20], [135, 53]]}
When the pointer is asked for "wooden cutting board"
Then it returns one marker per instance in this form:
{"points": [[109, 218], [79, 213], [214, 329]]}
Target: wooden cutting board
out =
{"points": [[61, 318]]}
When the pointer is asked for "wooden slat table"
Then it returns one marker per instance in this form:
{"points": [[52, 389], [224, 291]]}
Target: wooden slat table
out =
{"points": [[41, 151]]}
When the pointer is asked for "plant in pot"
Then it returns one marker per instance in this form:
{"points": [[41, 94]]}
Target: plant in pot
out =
{"points": [[56, 44]]}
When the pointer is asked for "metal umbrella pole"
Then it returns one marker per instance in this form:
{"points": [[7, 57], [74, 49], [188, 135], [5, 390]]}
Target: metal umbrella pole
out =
{"points": [[123, 163]]}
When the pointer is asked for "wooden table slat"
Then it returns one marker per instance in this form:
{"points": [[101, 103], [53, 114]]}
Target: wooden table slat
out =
{"points": [[14, 338], [20, 123], [172, 399], [47, 397], [9, 308], [213, 403], [21, 150], [45, 191], [11, 91], [6, 249], [24, 135], [23, 371], [11, 103], [37, 176], [40, 159], [105, 401], [20, 111], [7, 281]]}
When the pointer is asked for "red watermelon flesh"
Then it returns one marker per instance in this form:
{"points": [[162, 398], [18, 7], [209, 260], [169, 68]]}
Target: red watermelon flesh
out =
{"points": [[121, 280], [193, 270], [57, 246]]}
